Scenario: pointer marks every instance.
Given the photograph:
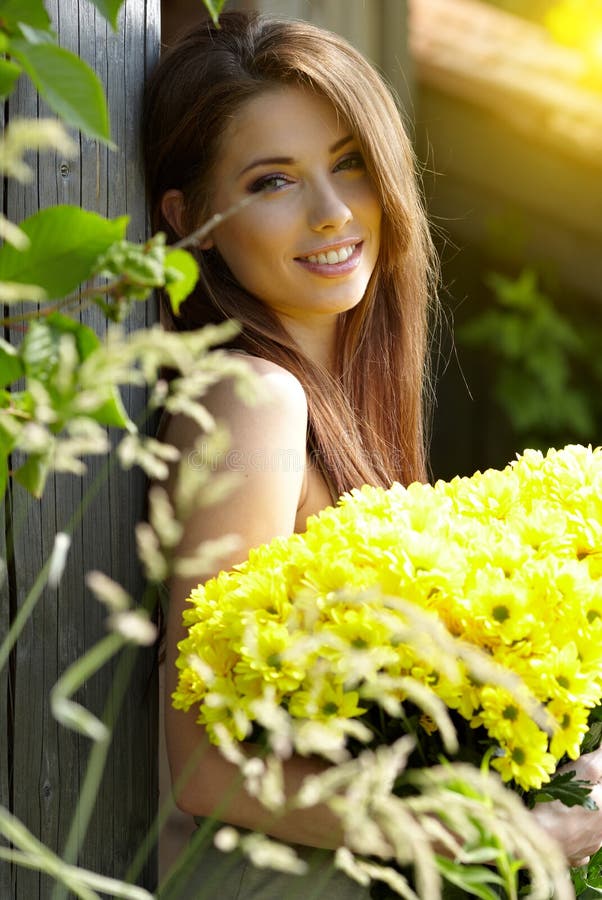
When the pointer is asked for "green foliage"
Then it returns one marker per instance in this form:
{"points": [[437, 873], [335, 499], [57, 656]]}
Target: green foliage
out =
{"points": [[536, 351], [9, 72], [109, 9], [566, 788], [67, 84], [11, 365], [587, 880], [140, 267], [182, 273], [214, 7], [66, 244], [15, 13], [60, 386], [473, 881]]}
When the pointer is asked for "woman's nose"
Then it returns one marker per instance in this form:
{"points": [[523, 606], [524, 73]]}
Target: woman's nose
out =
{"points": [[327, 208]]}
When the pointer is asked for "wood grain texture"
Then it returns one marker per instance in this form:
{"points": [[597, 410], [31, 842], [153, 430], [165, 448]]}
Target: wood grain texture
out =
{"points": [[5, 689], [5, 680], [49, 761]]}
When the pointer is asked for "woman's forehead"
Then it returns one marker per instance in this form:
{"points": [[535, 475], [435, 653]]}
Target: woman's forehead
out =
{"points": [[283, 118]]}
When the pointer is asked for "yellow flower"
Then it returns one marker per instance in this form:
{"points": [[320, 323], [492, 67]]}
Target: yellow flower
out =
{"points": [[263, 656], [525, 759], [572, 727], [508, 560], [325, 701], [562, 677], [501, 715]]}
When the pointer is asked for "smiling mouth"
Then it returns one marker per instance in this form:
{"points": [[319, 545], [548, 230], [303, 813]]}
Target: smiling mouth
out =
{"points": [[331, 257], [336, 260]]}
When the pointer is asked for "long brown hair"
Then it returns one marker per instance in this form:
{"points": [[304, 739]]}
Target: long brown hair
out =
{"points": [[366, 419]]}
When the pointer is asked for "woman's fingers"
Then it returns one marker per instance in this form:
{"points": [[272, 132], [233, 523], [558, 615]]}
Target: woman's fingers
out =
{"points": [[588, 767], [577, 830]]}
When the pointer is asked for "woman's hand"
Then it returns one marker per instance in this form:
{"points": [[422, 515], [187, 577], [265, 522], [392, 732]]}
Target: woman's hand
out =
{"points": [[577, 830]]}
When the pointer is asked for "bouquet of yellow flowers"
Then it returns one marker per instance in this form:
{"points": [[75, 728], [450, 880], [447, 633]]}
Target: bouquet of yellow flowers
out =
{"points": [[474, 603]]}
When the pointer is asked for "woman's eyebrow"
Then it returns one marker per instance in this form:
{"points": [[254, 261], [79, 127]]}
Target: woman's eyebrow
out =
{"points": [[340, 143], [267, 161], [288, 160]]}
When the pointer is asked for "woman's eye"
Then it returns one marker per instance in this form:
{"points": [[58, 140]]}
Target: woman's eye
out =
{"points": [[268, 183], [351, 161]]}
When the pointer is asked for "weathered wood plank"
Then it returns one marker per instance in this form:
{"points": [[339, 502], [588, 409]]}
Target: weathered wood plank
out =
{"points": [[5, 689], [29, 705], [5, 681], [50, 762]]}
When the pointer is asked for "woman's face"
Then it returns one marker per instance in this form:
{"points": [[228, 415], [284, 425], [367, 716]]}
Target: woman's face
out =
{"points": [[308, 244]]}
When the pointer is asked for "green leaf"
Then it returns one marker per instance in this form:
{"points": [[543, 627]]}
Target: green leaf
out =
{"points": [[109, 9], [214, 8], [596, 860], [33, 474], [65, 244], [10, 424], [181, 275], [112, 412], [36, 35], [31, 12], [9, 72], [11, 366], [85, 338], [67, 84], [474, 880], [591, 740], [568, 789], [590, 893]]}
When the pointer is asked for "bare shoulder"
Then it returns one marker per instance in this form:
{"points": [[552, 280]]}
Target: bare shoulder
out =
{"points": [[265, 459], [280, 410], [280, 387]]}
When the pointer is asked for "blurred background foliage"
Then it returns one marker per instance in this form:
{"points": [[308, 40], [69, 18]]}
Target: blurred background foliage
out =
{"points": [[514, 206]]}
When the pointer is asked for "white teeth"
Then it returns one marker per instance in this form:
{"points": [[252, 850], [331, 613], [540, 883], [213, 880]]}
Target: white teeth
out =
{"points": [[333, 256]]}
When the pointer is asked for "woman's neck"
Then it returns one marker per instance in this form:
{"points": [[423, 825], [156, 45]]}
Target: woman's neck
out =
{"points": [[317, 343]]}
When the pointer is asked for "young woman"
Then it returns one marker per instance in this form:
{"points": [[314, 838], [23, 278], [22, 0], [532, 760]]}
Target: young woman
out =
{"points": [[330, 271]]}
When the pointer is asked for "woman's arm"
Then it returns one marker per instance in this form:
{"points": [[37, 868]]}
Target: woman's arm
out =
{"points": [[268, 448]]}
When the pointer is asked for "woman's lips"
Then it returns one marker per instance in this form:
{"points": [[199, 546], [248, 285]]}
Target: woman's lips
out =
{"points": [[334, 269]]}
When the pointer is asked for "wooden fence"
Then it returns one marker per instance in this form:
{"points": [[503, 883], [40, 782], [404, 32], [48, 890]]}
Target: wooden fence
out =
{"points": [[42, 765]]}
